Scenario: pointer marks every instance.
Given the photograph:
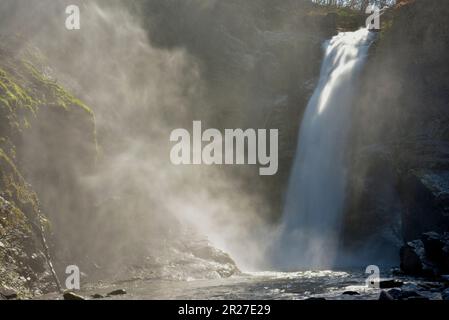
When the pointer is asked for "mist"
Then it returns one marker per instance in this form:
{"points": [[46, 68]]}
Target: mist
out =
{"points": [[134, 203]]}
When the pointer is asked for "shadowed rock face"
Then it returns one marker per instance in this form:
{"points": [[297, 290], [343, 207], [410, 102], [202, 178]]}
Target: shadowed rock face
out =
{"points": [[402, 118], [425, 197], [428, 256]]}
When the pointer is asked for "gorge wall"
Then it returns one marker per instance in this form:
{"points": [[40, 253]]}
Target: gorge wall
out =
{"points": [[77, 172], [38, 122], [230, 64], [400, 143]]}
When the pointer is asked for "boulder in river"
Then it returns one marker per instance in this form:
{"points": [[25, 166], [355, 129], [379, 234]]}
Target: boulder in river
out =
{"points": [[118, 292], [414, 260], [436, 247], [72, 296], [385, 296], [390, 283], [8, 293], [428, 256], [445, 294], [398, 294]]}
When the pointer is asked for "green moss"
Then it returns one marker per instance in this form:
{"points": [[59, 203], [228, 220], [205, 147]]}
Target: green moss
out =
{"points": [[54, 91], [33, 105], [24, 91], [345, 16], [14, 94], [13, 185], [15, 102]]}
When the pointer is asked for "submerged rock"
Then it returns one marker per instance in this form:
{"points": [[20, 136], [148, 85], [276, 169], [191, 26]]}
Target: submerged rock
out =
{"points": [[385, 296], [398, 294], [72, 296], [437, 250], [445, 294], [414, 261], [8, 293], [427, 257], [390, 283], [425, 194], [118, 292]]}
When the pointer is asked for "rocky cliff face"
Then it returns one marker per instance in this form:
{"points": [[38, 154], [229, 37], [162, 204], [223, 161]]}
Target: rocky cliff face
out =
{"points": [[400, 160], [42, 126]]}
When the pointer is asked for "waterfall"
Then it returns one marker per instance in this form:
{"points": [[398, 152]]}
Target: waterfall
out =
{"points": [[314, 202]]}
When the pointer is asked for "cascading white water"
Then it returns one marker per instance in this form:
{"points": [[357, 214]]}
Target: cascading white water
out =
{"points": [[314, 203]]}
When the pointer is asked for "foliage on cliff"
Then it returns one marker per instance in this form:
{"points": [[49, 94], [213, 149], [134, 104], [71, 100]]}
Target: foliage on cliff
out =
{"points": [[29, 101]]}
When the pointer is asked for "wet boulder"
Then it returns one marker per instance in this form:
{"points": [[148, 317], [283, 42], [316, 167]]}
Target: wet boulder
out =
{"points": [[390, 283], [385, 296], [428, 256], [225, 266], [436, 247], [425, 196], [414, 260], [71, 296], [8, 293], [398, 294], [118, 292], [445, 294]]}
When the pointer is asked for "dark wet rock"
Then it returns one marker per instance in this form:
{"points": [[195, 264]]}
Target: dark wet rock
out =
{"points": [[428, 256], [445, 294], [398, 294], [433, 244], [390, 283], [385, 296], [203, 250], [397, 272], [417, 298], [351, 293], [97, 296], [425, 194], [431, 286], [315, 299], [72, 296], [8, 293], [437, 250], [414, 260], [118, 292], [395, 293]]}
